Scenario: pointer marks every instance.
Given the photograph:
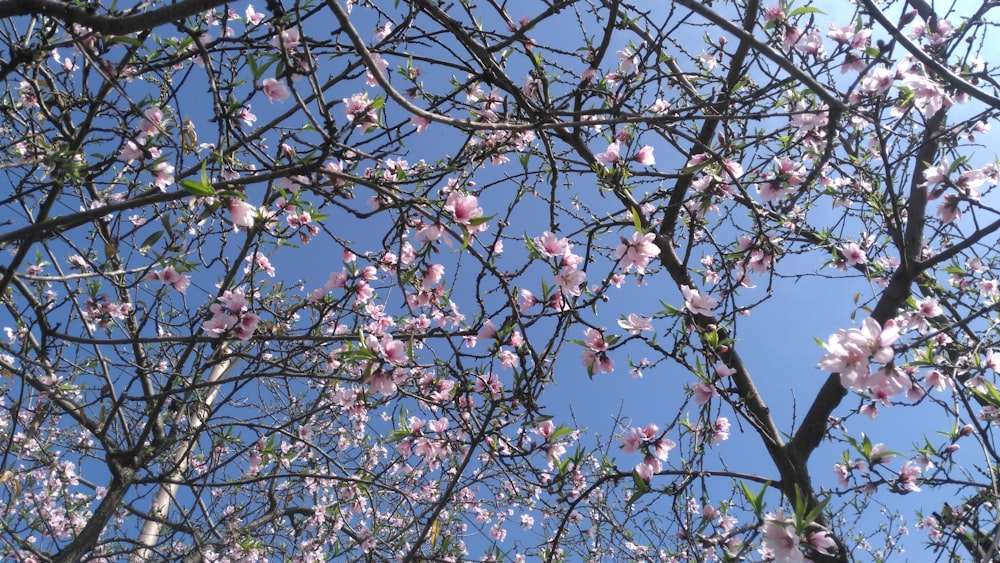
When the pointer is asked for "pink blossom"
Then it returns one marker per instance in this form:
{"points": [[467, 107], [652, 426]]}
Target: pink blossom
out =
{"points": [[288, 38], [938, 381], [549, 245], [637, 252], [772, 191], [774, 14], [853, 254], [597, 362], [628, 63], [420, 123], [545, 429], [794, 173], [781, 541], [516, 339], [131, 151], [928, 96], [849, 351], [163, 175], [878, 81], [662, 447], [356, 105], [261, 261], [648, 467], [571, 280], [246, 116], [432, 276], [219, 324], [823, 542], [635, 324], [908, 476], [465, 210], [383, 31], [989, 288], [934, 175], [393, 351], [928, 307], [696, 303], [248, 324], [377, 69], [242, 213], [720, 430], [722, 370], [234, 301], [948, 209], [253, 17], [811, 43], [553, 453], [595, 340], [841, 34], [638, 437], [489, 330], [274, 90], [531, 87], [707, 60], [179, 282], [732, 169], [703, 392], [879, 454], [645, 156], [528, 300], [152, 122], [611, 155]]}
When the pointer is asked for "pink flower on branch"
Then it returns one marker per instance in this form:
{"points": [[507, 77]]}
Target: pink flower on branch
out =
{"points": [[611, 155], [637, 252], [465, 211], [645, 156], [636, 324], [697, 303], [780, 541], [170, 276], [928, 96], [242, 213], [703, 392], [274, 90], [849, 352], [853, 254], [571, 280], [421, 123]]}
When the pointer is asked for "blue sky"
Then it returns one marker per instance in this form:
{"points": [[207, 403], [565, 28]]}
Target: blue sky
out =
{"points": [[777, 341]]}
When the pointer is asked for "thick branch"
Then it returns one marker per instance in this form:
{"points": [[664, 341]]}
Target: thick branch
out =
{"points": [[107, 24]]}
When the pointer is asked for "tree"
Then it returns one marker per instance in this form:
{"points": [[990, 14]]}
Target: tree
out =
{"points": [[313, 282]]}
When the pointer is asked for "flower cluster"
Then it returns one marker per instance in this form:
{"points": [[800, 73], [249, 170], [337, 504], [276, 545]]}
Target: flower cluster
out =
{"points": [[654, 445], [231, 316]]}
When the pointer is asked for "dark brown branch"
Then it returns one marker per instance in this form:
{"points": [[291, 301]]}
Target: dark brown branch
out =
{"points": [[107, 24]]}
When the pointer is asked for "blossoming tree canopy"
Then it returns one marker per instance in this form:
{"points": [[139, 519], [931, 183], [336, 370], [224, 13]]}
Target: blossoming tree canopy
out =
{"points": [[472, 281]]}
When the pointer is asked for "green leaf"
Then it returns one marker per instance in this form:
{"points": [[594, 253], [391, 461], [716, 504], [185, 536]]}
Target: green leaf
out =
{"points": [[150, 241], [712, 339], [804, 10], [636, 220], [532, 249], [756, 500], [397, 435], [476, 221], [559, 432], [641, 488], [694, 168], [198, 189], [123, 39]]}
